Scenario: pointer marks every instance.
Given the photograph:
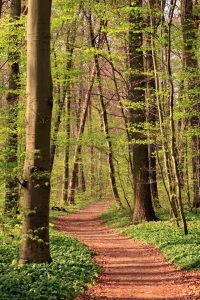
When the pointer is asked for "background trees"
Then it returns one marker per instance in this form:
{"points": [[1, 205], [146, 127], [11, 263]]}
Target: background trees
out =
{"points": [[129, 105]]}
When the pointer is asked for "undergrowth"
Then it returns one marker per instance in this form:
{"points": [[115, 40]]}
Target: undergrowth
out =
{"points": [[71, 271], [179, 249]]}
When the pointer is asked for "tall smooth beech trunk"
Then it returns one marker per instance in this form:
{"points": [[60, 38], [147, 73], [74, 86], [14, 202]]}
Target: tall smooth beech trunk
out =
{"points": [[35, 245], [143, 209], [11, 182]]}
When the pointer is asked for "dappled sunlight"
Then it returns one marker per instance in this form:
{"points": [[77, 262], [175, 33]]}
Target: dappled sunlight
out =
{"points": [[131, 269]]}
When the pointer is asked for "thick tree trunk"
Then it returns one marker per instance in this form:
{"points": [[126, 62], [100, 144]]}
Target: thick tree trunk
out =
{"points": [[143, 209], [35, 245], [11, 182]]}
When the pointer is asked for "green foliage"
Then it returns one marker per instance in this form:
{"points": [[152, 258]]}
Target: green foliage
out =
{"points": [[116, 217], [179, 249], [70, 272]]}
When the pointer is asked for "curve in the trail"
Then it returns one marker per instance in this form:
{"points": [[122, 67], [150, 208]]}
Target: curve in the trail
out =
{"points": [[131, 270]]}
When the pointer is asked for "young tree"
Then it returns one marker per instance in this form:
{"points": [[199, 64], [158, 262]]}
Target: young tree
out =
{"points": [[171, 100], [161, 111], [35, 245], [72, 183]]}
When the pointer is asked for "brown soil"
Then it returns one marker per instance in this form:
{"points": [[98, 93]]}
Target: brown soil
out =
{"points": [[131, 269]]}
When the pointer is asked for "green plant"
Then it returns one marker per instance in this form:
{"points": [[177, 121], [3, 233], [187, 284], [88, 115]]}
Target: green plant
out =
{"points": [[70, 272], [165, 235]]}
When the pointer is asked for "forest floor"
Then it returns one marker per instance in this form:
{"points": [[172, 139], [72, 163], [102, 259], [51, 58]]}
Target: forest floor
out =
{"points": [[131, 269]]}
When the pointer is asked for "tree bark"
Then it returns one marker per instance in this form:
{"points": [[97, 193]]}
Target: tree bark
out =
{"points": [[191, 63], [35, 245], [151, 101], [143, 209], [171, 99], [11, 181], [67, 146], [160, 115], [68, 116], [92, 177]]}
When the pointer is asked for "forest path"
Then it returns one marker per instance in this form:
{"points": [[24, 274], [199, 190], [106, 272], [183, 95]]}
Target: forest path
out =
{"points": [[131, 269]]}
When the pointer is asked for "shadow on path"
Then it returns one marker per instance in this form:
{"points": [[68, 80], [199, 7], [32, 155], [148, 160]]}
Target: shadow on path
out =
{"points": [[131, 270]]}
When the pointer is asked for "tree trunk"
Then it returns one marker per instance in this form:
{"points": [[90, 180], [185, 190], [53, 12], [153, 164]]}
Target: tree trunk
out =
{"points": [[107, 136], [11, 182], [35, 245], [82, 181], [61, 103], [92, 177], [103, 110], [100, 176], [171, 99], [191, 63], [151, 108], [160, 115], [122, 110], [143, 209], [72, 183], [67, 146], [68, 117]]}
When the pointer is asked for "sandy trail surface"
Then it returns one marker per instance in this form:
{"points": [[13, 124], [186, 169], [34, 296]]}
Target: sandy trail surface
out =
{"points": [[131, 270]]}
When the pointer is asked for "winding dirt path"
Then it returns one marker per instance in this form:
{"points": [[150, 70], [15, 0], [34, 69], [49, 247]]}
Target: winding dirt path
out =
{"points": [[131, 270]]}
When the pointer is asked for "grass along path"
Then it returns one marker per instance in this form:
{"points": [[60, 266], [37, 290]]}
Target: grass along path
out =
{"points": [[70, 272], [131, 269], [182, 250]]}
